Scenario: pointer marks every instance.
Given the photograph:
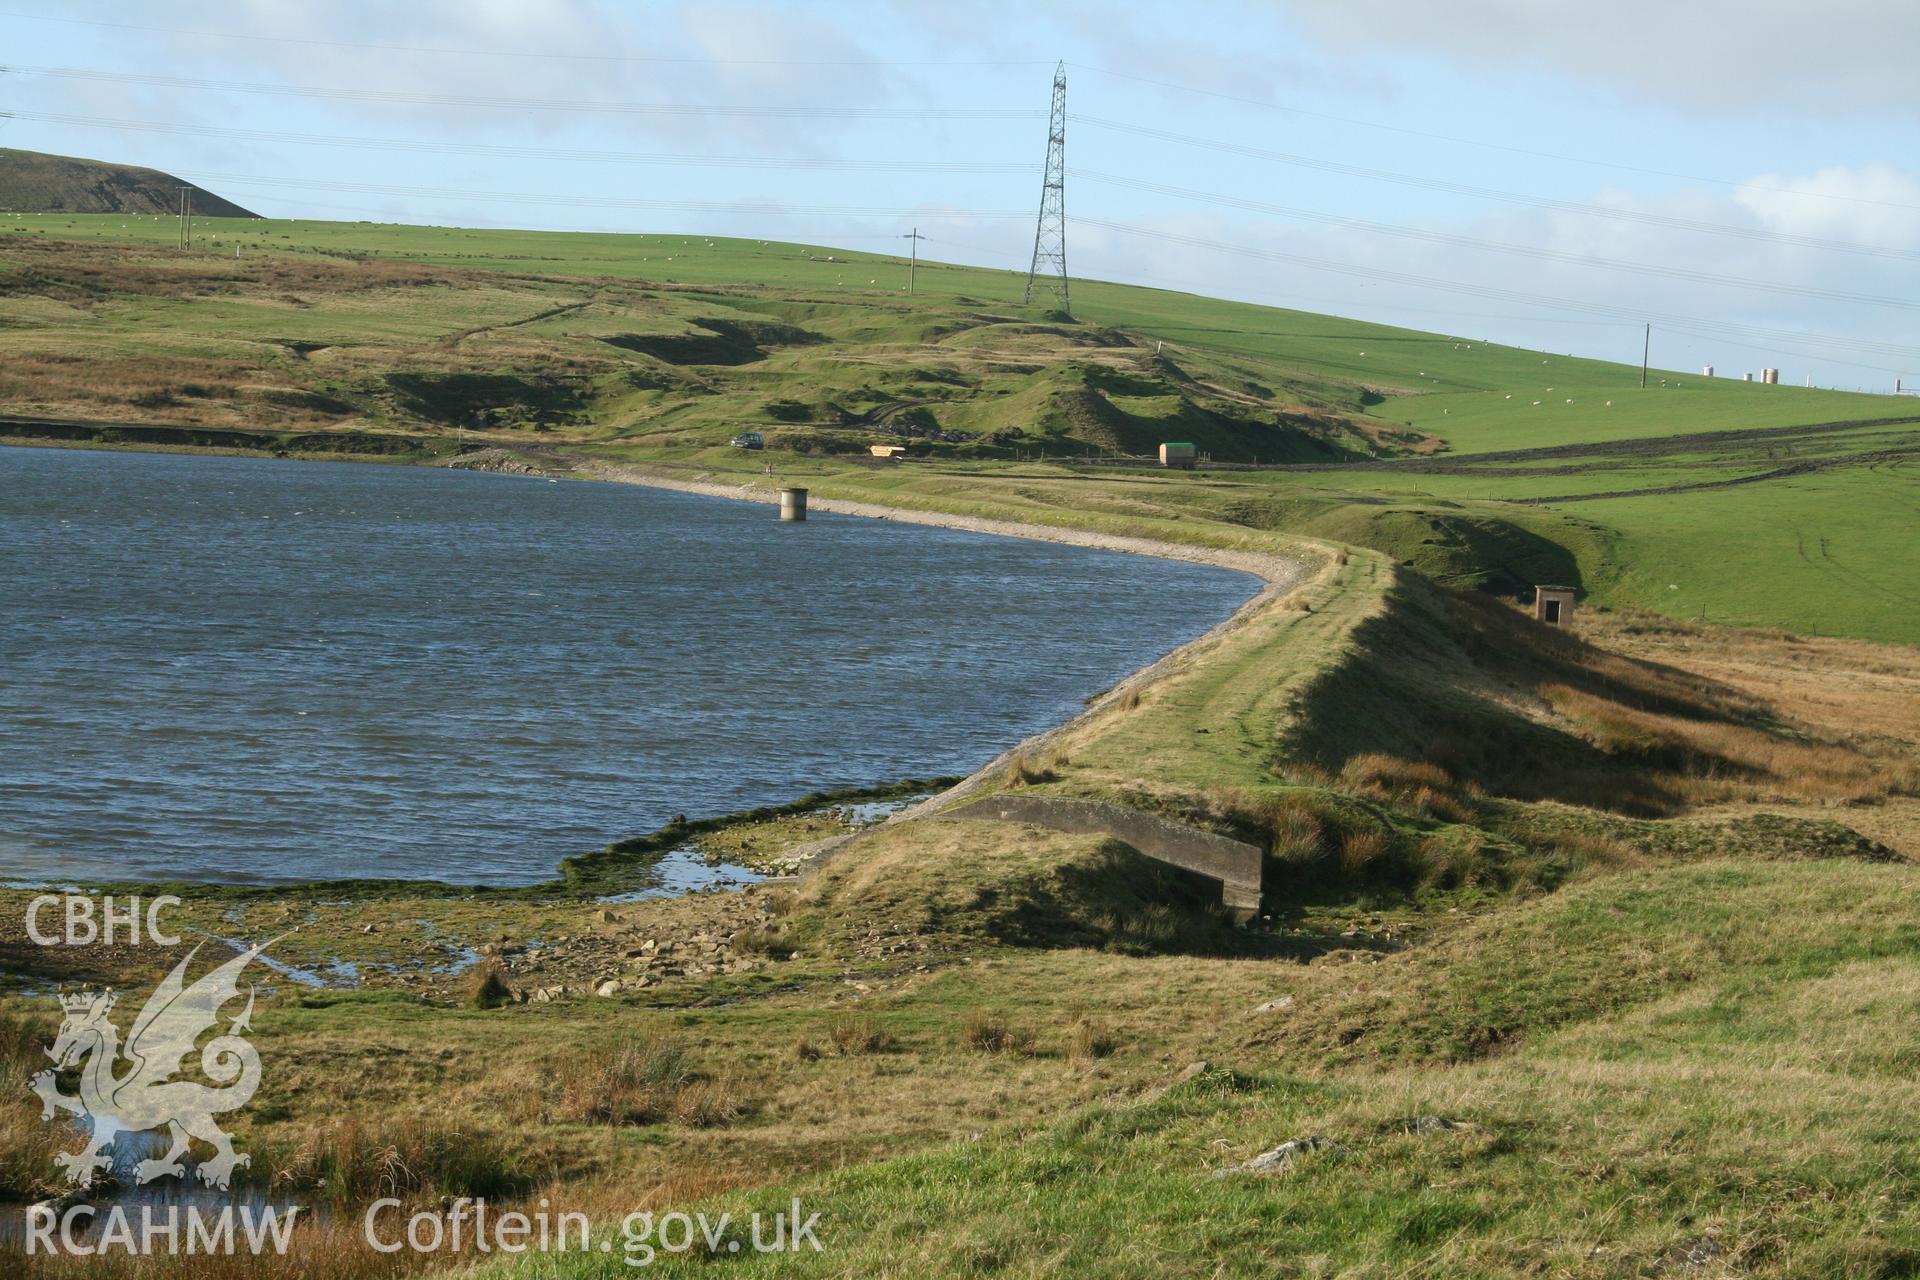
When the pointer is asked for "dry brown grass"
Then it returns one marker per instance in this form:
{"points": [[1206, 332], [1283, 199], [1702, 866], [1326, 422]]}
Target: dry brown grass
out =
{"points": [[1089, 1041], [645, 1080], [352, 1160], [1716, 761], [988, 1031], [487, 988], [763, 940], [1421, 788], [857, 1033], [1026, 770], [633, 1083], [709, 1103], [27, 1142], [1296, 831], [88, 273], [1360, 851], [1847, 689]]}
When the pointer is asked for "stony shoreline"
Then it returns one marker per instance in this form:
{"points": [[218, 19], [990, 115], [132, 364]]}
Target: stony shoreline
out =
{"points": [[1278, 572]]}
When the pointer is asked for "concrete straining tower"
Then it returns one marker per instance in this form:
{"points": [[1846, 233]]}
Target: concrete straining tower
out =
{"points": [[1050, 233]]}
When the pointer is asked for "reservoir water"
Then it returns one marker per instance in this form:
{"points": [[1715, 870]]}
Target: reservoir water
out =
{"points": [[240, 669]]}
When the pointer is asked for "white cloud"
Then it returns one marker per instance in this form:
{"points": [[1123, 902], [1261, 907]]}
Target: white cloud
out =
{"points": [[1719, 54], [1875, 204], [1120, 256]]}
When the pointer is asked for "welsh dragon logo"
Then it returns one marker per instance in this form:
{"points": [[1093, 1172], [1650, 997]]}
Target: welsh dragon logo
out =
{"points": [[145, 1095]]}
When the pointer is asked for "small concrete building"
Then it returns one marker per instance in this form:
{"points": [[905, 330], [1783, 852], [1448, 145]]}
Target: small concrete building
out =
{"points": [[1553, 605], [1178, 456]]}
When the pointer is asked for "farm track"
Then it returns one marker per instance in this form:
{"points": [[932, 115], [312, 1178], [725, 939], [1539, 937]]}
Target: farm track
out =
{"points": [[1651, 446], [1809, 467], [455, 339]]}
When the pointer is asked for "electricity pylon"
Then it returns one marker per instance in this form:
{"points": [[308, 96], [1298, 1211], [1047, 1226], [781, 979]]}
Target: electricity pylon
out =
{"points": [[1050, 233]]}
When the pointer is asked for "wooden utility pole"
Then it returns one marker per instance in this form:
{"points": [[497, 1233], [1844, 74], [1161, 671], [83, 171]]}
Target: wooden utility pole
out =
{"points": [[1646, 353], [913, 262]]}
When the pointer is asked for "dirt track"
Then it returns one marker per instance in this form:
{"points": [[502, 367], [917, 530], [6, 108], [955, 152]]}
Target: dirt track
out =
{"points": [[1650, 446]]}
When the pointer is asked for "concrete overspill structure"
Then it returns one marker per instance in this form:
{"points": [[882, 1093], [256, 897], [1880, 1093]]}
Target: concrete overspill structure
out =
{"points": [[1553, 605]]}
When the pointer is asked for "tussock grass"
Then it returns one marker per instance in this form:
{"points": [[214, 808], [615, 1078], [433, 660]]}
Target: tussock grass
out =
{"points": [[634, 1082], [487, 988], [354, 1160], [854, 1033], [1089, 1041], [988, 1031], [641, 1081], [1447, 696], [1026, 770], [709, 1103], [763, 940], [27, 1142], [1723, 761]]}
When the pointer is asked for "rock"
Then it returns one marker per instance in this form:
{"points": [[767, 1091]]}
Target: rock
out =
{"points": [[1193, 1069], [1275, 1006], [1701, 1251], [1429, 1124], [608, 917], [611, 987], [1281, 1159]]}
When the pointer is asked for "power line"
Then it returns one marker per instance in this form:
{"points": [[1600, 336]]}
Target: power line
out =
{"points": [[1241, 100], [1508, 295], [829, 164], [601, 202], [1495, 194], [791, 111], [315, 42], [1481, 142], [583, 155], [1499, 246]]}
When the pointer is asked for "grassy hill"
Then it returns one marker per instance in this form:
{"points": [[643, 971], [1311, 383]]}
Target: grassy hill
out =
{"points": [[35, 182], [1481, 465]]}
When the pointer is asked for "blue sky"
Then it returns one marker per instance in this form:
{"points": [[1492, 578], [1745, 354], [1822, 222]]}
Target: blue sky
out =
{"points": [[1748, 171]]}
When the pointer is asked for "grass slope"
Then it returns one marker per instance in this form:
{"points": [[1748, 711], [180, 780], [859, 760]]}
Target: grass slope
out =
{"points": [[35, 182], [1700, 1069]]}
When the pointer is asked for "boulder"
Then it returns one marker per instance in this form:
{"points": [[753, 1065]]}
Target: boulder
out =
{"points": [[1282, 1158]]}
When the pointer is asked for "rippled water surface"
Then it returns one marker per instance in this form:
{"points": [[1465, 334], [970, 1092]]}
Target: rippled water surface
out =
{"points": [[246, 669]]}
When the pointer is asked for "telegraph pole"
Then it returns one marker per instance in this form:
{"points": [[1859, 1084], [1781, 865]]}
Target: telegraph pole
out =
{"points": [[1050, 232], [186, 217], [913, 262], [1646, 353]]}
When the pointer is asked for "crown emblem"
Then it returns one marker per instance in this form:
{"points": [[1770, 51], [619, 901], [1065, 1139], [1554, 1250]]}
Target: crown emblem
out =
{"points": [[85, 1001]]}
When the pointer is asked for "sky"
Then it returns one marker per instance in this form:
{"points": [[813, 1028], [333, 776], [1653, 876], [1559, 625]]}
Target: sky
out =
{"points": [[1743, 174]]}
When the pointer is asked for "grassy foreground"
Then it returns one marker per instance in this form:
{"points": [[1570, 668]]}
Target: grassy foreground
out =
{"points": [[1613, 929], [1585, 954]]}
